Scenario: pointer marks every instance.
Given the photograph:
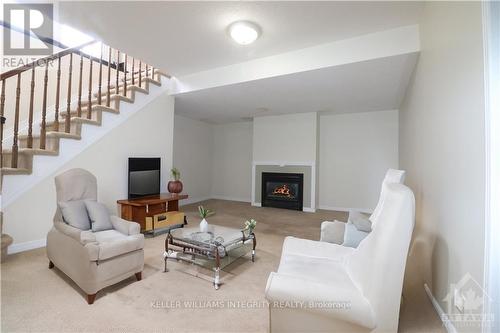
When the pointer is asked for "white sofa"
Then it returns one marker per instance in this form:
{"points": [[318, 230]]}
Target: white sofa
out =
{"points": [[358, 225], [324, 287]]}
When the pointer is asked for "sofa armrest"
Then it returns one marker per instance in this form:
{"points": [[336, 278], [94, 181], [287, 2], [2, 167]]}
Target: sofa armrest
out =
{"points": [[332, 232], [81, 236], [124, 226], [343, 303]]}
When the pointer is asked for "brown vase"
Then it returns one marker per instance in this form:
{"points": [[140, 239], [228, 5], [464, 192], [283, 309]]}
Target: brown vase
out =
{"points": [[175, 186]]}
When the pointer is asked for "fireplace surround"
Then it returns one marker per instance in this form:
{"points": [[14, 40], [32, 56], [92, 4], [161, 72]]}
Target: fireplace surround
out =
{"points": [[282, 190]]}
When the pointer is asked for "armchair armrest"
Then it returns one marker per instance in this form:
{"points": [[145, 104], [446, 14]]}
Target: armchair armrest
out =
{"points": [[332, 232], [81, 236], [343, 303], [124, 226]]}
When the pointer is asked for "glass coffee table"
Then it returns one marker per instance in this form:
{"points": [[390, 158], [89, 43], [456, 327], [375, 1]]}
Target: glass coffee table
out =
{"points": [[214, 249]]}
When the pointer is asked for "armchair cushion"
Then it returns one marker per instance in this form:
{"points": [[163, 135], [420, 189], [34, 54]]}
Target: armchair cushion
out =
{"points": [[361, 221], [99, 216], [353, 236], [75, 214], [112, 243]]}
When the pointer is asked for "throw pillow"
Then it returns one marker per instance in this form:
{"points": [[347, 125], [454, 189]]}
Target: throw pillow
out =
{"points": [[99, 216], [353, 236], [75, 214], [361, 221]]}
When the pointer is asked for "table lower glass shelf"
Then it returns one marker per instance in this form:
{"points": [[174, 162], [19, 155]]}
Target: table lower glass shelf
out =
{"points": [[210, 262]]}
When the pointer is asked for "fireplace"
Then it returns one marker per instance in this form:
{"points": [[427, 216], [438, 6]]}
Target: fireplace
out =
{"points": [[282, 190]]}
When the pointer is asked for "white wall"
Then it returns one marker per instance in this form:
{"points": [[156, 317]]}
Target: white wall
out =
{"points": [[289, 138], [355, 151], [442, 146], [148, 133], [352, 152], [232, 161], [215, 160], [193, 154]]}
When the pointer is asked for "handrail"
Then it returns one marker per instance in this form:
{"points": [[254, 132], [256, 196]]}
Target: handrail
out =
{"points": [[39, 141], [43, 61]]}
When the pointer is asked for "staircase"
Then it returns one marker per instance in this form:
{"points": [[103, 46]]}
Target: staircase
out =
{"points": [[94, 87]]}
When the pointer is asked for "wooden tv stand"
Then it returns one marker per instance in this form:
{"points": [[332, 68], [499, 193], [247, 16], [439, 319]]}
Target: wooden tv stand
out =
{"points": [[155, 211]]}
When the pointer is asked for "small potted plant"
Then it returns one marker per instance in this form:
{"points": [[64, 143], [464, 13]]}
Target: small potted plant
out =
{"points": [[250, 226], [175, 186], [204, 213]]}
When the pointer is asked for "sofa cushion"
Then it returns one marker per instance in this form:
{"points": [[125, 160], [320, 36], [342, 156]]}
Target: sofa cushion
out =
{"points": [[99, 216], [332, 232], [361, 221], [353, 236], [112, 243], [311, 248], [315, 269], [75, 214]]}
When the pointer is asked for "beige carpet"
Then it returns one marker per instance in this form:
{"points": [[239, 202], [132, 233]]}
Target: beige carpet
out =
{"points": [[36, 299]]}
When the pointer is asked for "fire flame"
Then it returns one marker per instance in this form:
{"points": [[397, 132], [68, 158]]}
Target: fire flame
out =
{"points": [[282, 190]]}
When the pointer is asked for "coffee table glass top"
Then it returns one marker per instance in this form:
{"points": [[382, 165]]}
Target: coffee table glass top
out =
{"points": [[217, 248], [216, 236]]}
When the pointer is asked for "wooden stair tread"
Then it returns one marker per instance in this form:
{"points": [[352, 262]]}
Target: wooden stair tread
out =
{"points": [[6, 240], [130, 87], [96, 107], [55, 134], [113, 96], [75, 119], [123, 98], [14, 171], [32, 151]]}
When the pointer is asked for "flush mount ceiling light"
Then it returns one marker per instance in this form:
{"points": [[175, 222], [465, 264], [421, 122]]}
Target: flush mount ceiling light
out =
{"points": [[244, 32]]}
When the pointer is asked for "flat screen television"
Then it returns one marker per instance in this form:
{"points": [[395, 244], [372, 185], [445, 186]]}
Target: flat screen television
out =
{"points": [[143, 176]]}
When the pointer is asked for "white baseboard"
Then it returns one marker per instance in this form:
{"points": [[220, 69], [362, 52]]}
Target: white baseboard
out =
{"points": [[443, 316], [346, 209], [26, 246], [256, 204], [221, 197]]}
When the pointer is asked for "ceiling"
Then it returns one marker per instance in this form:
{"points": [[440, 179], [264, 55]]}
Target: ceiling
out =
{"points": [[188, 37], [357, 87]]}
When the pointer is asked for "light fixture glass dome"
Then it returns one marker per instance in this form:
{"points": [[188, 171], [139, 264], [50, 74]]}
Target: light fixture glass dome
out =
{"points": [[244, 32]]}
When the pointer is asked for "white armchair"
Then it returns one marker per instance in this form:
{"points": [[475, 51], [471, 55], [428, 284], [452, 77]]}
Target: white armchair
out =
{"points": [[359, 292], [358, 225]]}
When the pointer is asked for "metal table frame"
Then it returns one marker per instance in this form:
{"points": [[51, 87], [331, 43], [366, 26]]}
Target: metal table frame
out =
{"points": [[208, 251]]}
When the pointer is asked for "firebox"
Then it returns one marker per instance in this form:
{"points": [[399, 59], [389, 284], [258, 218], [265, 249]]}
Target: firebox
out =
{"points": [[282, 190]]}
